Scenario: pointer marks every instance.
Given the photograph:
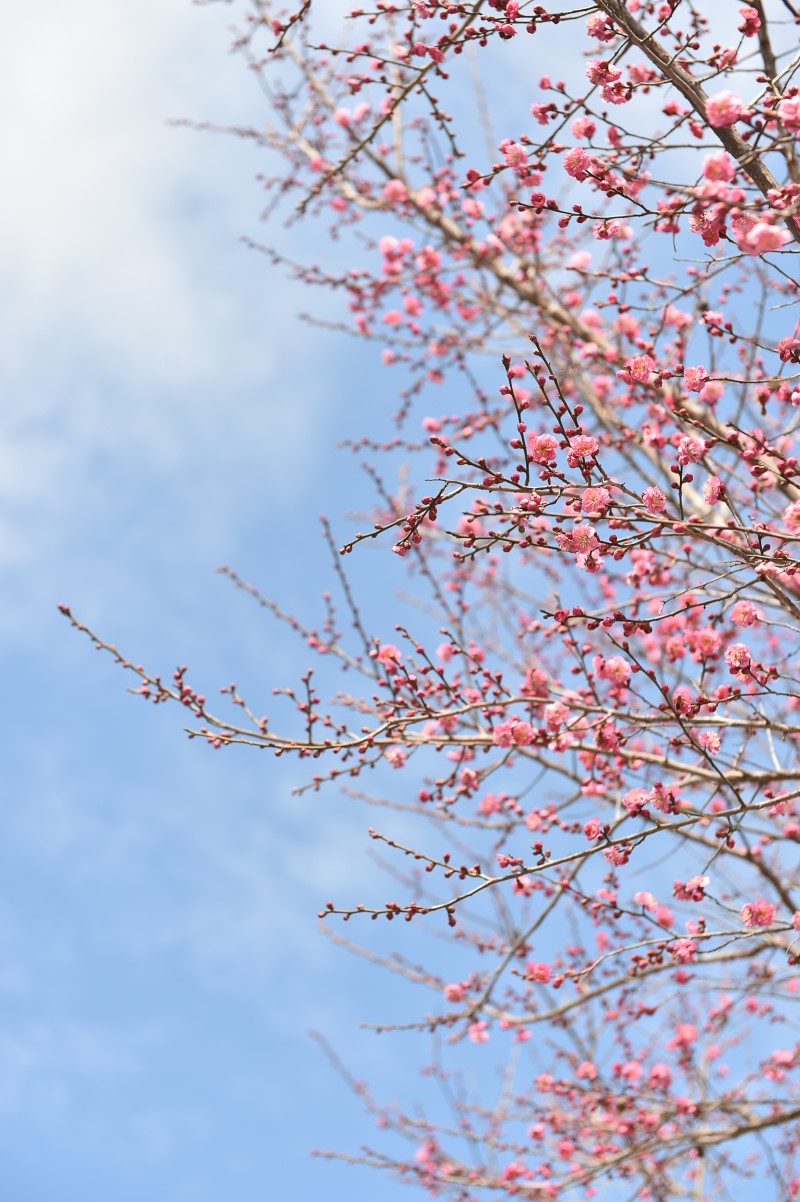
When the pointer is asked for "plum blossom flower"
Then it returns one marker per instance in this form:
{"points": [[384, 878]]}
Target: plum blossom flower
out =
{"points": [[580, 539], [713, 490], [694, 378], [455, 993], [757, 236], [555, 715], [719, 167], [396, 756], [685, 1035], [634, 801], [516, 156], [538, 971], [684, 951], [705, 643], [512, 733], [478, 1032], [660, 1076], [654, 500], [617, 670], [577, 162], [599, 27], [737, 657], [599, 71], [759, 913], [592, 829], [637, 370], [595, 500], [542, 447], [724, 109], [582, 446], [744, 613], [691, 890], [789, 113], [751, 21], [791, 517], [690, 449], [710, 740], [388, 655], [583, 127]]}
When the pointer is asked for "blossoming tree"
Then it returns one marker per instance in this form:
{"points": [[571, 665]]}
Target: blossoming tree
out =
{"points": [[590, 307]]}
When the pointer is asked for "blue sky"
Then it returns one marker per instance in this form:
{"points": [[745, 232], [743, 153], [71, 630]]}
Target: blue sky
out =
{"points": [[160, 963], [164, 412]]}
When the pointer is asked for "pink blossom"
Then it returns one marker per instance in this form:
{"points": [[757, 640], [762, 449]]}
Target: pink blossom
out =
{"points": [[724, 109], [395, 191], [580, 538], [542, 447], [512, 733], [663, 797], [599, 27], [757, 237], [710, 740], [713, 490], [615, 92], [634, 801], [791, 517], [586, 1071], [478, 1032], [583, 127], [642, 897], [616, 669], [516, 156], [396, 756], [711, 392], [690, 449], [719, 167], [576, 162], [641, 368], [789, 113], [705, 643], [660, 1076], [751, 21], [538, 971], [455, 993], [555, 715], [595, 500], [654, 500], [737, 657], [388, 655], [744, 613], [592, 829], [582, 446], [684, 951], [425, 198], [685, 1034], [599, 71], [759, 913], [631, 1070], [694, 378]]}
